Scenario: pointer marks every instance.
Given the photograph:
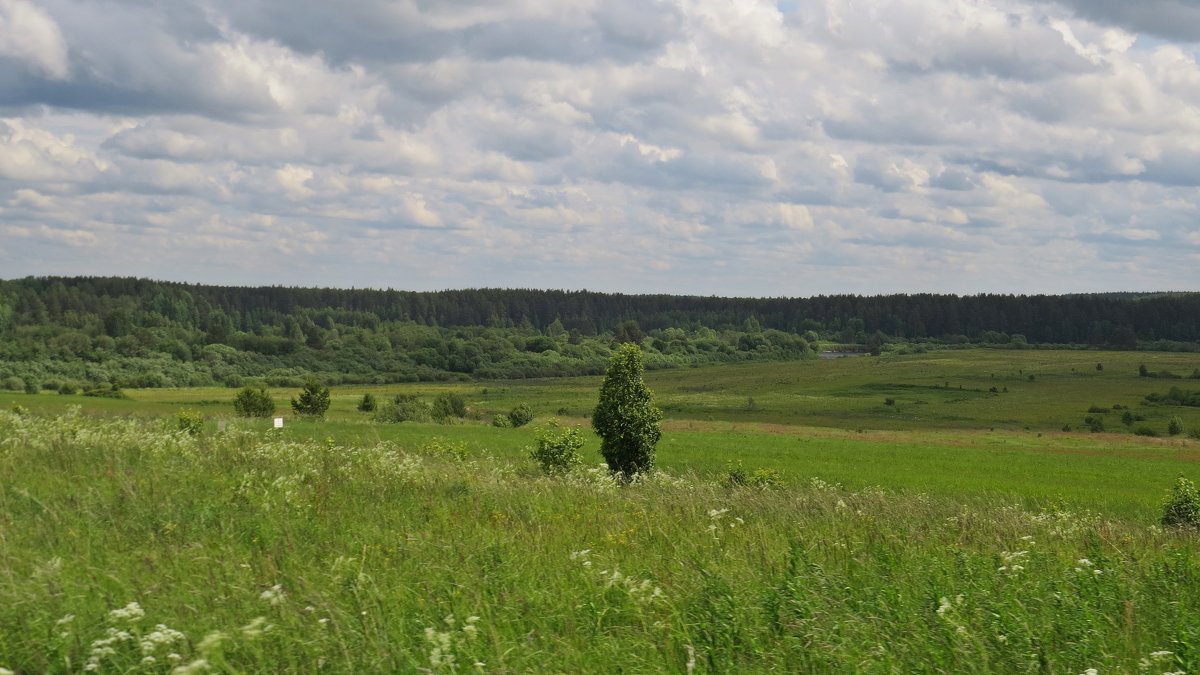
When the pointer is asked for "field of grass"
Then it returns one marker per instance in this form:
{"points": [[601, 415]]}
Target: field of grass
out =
{"points": [[954, 530]]}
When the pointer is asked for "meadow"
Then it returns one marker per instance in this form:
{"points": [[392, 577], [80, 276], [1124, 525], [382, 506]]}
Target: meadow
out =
{"points": [[952, 530]]}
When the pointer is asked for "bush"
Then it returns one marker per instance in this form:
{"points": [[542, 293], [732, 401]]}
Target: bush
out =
{"points": [[892, 401], [1145, 431], [1099, 409], [111, 391], [32, 387], [735, 476], [557, 449], [1095, 423], [12, 383], [1182, 508], [404, 408], [520, 415], [447, 407], [189, 421], [313, 400], [1175, 426], [502, 422], [68, 389], [368, 403], [253, 403]]}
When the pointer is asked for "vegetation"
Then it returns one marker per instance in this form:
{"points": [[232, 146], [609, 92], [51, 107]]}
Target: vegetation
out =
{"points": [[267, 552], [368, 403], [520, 415], [313, 400], [625, 418], [448, 407], [404, 408], [1183, 507], [251, 402], [557, 449]]}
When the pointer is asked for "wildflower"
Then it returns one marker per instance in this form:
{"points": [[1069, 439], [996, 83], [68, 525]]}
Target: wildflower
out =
{"points": [[6, 671], [197, 666], [1090, 671], [582, 556], [944, 606], [132, 613], [273, 595], [161, 635], [66, 619]]}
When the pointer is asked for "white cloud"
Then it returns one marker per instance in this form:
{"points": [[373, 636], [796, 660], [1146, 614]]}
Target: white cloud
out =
{"points": [[30, 35]]}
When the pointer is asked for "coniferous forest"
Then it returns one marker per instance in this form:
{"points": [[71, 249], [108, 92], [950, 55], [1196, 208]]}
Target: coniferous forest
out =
{"points": [[90, 332]]}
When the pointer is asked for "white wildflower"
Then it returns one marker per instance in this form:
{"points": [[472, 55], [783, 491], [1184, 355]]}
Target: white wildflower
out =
{"points": [[273, 595], [944, 606], [197, 666], [160, 636], [66, 619], [257, 626], [1090, 671], [132, 613]]}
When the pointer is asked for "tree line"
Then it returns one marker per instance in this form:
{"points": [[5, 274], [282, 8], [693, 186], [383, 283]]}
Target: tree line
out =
{"points": [[154, 333]]}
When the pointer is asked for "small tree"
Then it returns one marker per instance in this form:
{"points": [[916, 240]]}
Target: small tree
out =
{"points": [[557, 449], [313, 400], [253, 403], [1182, 508], [368, 403], [32, 387], [626, 418], [404, 408]]}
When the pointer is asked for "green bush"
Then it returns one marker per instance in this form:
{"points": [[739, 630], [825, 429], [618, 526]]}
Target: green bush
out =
{"points": [[313, 400], [736, 475], [447, 407], [1182, 508], [1175, 426], [1145, 431], [68, 389], [251, 402], [502, 422], [111, 391], [368, 403], [520, 415], [557, 449], [189, 421], [13, 383], [1095, 423], [404, 408], [32, 387]]}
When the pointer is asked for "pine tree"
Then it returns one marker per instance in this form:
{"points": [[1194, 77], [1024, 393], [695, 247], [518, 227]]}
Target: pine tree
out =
{"points": [[313, 400]]}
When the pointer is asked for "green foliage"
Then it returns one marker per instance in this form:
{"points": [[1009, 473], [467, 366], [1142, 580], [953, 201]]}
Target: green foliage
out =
{"points": [[19, 410], [502, 422], [12, 383], [32, 387], [68, 389], [251, 402], [1176, 396], [626, 419], [404, 408], [448, 407], [368, 403], [736, 476], [520, 415], [1182, 508], [557, 449], [313, 400], [1099, 367], [1145, 431], [1175, 426], [1095, 423], [189, 421], [111, 391]]}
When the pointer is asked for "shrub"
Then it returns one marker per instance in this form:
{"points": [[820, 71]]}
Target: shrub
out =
{"points": [[1194, 433], [251, 402], [1099, 367], [19, 410], [736, 475], [892, 401], [557, 449], [32, 387], [502, 422], [1095, 423], [1175, 426], [520, 415], [313, 400], [448, 406], [189, 421], [12, 383], [1182, 508], [68, 389], [1145, 431], [111, 391], [404, 408], [368, 403], [1099, 409]]}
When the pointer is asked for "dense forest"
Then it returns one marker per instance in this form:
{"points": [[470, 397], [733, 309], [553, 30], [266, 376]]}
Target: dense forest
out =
{"points": [[144, 333]]}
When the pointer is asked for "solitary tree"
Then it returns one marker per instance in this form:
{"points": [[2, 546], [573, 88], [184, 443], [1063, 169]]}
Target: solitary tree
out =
{"points": [[313, 400], [254, 403], [626, 418]]}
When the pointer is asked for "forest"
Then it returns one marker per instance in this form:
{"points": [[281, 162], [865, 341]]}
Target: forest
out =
{"points": [[88, 331]]}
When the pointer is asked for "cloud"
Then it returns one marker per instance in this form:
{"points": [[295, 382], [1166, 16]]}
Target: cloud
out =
{"points": [[700, 146]]}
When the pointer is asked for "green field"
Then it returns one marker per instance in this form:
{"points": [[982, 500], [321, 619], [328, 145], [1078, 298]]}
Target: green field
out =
{"points": [[955, 530]]}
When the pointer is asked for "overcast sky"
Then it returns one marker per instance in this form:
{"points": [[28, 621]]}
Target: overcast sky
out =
{"points": [[726, 147]]}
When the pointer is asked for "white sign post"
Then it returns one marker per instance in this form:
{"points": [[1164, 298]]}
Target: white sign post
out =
{"points": [[278, 422]]}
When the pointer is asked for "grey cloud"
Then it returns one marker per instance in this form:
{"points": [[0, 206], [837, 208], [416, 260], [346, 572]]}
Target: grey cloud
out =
{"points": [[1170, 19]]}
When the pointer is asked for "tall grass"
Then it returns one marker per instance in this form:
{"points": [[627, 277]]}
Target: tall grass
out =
{"points": [[127, 546]]}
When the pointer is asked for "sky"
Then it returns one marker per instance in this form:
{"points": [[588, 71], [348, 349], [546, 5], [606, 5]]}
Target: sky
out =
{"points": [[711, 147]]}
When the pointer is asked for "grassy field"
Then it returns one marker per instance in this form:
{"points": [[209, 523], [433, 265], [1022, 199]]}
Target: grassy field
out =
{"points": [[954, 530]]}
